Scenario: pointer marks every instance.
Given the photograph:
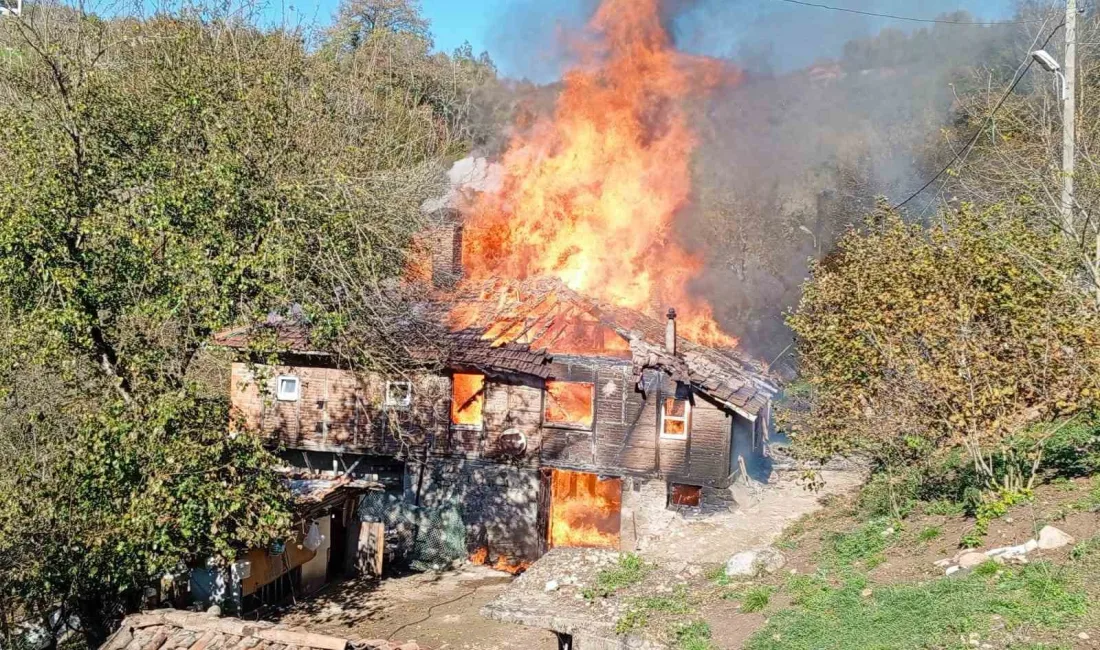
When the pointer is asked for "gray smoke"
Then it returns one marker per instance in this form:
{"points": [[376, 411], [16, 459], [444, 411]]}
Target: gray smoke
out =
{"points": [[834, 109]]}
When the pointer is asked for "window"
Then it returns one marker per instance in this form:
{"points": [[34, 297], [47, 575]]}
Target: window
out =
{"points": [[569, 403], [675, 418], [467, 399], [680, 494], [287, 388], [399, 394]]}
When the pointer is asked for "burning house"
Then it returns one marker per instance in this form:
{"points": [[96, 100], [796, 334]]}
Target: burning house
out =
{"points": [[558, 421], [572, 406]]}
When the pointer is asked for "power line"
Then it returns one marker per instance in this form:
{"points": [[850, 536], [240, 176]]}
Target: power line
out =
{"points": [[988, 118], [907, 18]]}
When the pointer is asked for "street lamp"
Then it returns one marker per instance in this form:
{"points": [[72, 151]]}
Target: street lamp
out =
{"points": [[1048, 63]]}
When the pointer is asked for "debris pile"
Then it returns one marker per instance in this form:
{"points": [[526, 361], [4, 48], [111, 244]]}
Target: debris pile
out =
{"points": [[1049, 538]]}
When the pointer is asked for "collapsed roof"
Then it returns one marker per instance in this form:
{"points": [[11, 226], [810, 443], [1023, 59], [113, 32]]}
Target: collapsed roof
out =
{"points": [[546, 316]]}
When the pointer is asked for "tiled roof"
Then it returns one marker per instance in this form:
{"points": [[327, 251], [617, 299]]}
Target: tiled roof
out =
{"points": [[170, 629], [286, 335]]}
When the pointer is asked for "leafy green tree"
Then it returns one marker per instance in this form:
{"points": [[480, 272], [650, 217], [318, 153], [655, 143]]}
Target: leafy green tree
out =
{"points": [[164, 178], [916, 341]]}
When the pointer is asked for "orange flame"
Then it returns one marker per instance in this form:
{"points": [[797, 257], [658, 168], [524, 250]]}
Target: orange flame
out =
{"points": [[507, 565], [590, 194], [585, 511]]}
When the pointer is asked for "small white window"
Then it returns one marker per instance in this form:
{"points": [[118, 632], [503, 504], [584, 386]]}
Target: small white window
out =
{"points": [[399, 394], [675, 418], [287, 388]]}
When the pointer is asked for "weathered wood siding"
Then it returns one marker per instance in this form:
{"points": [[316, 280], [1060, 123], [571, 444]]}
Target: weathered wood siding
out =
{"points": [[337, 410], [342, 411]]}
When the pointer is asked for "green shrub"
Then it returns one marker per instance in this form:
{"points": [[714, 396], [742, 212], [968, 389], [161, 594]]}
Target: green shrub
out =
{"points": [[944, 507]]}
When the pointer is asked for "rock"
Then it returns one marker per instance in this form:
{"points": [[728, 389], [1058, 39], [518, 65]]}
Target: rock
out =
{"points": [[1030, 545], [888, 532], [944, 563], [1009, 551], [971, 559], [754, 562], [866, 593], [214, 610], [1051, 538], [951, 569], [551, 586], [1083, 636]]}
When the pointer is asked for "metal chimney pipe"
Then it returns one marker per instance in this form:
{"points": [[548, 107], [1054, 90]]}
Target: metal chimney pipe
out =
{"points": [[670, 332]]}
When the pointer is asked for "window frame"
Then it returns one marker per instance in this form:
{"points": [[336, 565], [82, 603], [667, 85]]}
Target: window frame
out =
{"points": [[576, 426], [403, 404], [451, 415], [285, 396], [686, 419]]}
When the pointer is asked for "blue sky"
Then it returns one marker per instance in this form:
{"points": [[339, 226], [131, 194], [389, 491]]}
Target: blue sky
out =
{"points": [[522, 35]]}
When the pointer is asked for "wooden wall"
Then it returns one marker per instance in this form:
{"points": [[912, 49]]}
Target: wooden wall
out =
{"points": [[339, 411]]}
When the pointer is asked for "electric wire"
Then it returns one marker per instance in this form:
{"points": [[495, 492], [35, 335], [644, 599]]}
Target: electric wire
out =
{"points": [[985, 123], [939, 21]]}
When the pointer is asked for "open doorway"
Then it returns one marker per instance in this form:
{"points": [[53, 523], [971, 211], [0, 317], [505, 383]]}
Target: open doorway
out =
{"points": [[585, 510]]}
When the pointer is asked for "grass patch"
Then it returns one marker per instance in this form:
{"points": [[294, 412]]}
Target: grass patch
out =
{"points": [[629, 571], [718, 576], [630, 621], [928, 534], [692, 636], [1086, 548], [865, 545], [677, 603], [932, 614], [756, 599]]}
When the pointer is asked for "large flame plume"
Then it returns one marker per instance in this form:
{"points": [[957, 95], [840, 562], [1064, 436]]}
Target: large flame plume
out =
{"points": [[590, 193]]}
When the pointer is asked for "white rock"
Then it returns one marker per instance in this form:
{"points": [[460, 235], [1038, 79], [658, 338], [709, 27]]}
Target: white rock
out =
{"points": [[1008, 551], [971, 559], [951, 569], [551, 586], [1051, 538], [1031, 545], [888, 532], [866, 593], [1083, 636], [944, 563], [754, 562]]}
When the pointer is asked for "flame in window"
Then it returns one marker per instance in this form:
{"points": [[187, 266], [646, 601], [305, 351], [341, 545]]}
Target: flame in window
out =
{"points": [[467, 398], [569, 402]]}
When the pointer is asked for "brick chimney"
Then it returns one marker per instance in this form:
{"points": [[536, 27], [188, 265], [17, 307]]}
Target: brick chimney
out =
{"points": [[444, 240], [670, 332]]}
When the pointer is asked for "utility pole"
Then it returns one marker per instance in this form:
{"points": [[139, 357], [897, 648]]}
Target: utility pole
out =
{"points": [[1069, 116]]}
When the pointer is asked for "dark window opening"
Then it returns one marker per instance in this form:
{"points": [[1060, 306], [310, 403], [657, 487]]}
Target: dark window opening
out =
{"points": [[680, 495]]}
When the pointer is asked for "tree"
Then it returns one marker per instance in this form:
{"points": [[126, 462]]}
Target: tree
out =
{"points": [[164, 178], [915, 342]]}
